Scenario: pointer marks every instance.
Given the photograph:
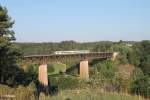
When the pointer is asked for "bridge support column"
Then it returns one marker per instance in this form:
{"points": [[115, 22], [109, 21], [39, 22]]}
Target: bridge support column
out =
{"points": [[42, 76], [84, 69]]}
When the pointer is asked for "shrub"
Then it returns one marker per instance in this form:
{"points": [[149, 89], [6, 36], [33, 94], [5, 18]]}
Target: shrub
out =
{"points": [[50, 69], [141, 86]]}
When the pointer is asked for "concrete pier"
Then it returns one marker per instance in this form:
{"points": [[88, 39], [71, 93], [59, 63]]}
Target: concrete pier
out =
{"points": [[42, 76], [84, 69]]}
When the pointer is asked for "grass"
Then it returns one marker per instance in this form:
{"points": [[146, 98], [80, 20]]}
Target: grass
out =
{"points": [[57, 68], [93, 95], [26, 93], [19, 93]]}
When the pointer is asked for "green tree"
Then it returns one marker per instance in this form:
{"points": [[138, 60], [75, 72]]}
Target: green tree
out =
{"points": [[123, 51], [132, 57], [142, 50], [103, 46], [8, 51], [141, 86]]}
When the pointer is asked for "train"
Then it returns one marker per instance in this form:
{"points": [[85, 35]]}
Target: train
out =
{"points": [[72, 52]]}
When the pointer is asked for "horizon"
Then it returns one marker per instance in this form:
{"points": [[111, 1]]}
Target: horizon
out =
{"points": [[81, 21], [81, 42]]}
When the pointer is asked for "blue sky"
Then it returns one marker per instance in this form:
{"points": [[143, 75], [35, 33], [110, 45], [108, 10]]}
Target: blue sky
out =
{"points": [[79, 20]]}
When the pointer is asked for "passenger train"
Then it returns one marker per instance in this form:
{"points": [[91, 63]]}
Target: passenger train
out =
{"points": [[72, 52]]}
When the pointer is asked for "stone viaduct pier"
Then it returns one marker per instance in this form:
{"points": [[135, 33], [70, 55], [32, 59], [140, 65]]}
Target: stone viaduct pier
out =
{"points": [[82, 57]]}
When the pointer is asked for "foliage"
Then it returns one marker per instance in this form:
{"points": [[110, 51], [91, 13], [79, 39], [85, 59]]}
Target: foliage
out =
{"points": [[105, 75], [141, 86], [50, 47], [103, 46], [31, 73], [123, 51], [141, 80], [132, 57], [142, 50], [10, 73], [110, 76]]}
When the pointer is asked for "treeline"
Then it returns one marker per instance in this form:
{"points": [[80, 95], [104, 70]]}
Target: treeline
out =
{"points": [[50, 47]]}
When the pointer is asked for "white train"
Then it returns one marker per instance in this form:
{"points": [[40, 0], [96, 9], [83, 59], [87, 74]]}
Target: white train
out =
{"points": [[72, 52]]}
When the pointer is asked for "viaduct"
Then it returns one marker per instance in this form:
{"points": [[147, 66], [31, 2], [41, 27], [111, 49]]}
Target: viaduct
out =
{"points": [[82, 57]]}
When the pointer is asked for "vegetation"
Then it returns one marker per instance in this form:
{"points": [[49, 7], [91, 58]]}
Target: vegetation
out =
{"points": [[56, 68], [19, 93], [122, 75], [10, 73], [64, 81], [92, 95]]}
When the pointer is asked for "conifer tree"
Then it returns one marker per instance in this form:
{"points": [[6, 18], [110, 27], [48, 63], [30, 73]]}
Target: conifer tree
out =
{"points": [[8, 50]]}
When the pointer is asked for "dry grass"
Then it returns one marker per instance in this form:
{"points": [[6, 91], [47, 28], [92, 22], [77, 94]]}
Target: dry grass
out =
{"points": [[93, 95]]}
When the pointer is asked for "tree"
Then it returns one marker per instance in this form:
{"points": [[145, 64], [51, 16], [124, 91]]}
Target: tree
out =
{"points": [[123, 51], [142, 50], [8, 51], [141, 86], [103, 46], [132, 57]]}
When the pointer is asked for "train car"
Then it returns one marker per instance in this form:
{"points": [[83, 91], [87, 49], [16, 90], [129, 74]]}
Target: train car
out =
{"points": [[72, 52]]}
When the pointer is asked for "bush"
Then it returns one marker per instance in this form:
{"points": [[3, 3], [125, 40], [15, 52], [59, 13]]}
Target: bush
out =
{"points": [[106, 75], [141, 86], [106, 68], [31, 73], [50, 69]]}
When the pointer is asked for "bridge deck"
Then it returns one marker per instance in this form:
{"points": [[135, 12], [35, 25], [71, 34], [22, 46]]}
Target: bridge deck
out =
{"points": [[91, 55]]}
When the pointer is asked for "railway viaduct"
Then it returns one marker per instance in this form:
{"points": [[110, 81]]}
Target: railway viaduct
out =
{"points": [[82, 57]]}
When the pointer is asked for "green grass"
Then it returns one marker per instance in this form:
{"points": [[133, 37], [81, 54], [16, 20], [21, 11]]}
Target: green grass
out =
{"points": [[92, 95], [57, 68]]}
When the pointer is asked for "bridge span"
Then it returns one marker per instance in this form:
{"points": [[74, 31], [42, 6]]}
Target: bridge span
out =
{"points": [[82, 57]]}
